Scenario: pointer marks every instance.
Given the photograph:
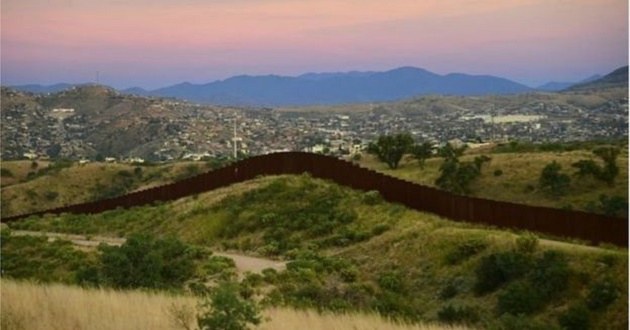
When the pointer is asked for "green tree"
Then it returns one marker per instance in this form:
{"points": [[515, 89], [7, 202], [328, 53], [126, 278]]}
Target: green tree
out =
{"points": [[143, 261], [422, 152], [456, 177], [610, 170], [225, 309], [391, 148], [553, 181], [587, 167], [449, 152]]}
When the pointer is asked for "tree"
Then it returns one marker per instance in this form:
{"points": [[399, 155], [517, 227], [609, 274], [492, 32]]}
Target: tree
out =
{"points": [[391, 148], [456, 177], [143, 261], [552, 180], [225, 309], [449, 152], [587, 167], [422, 152], [606, 173], [610, 170]]}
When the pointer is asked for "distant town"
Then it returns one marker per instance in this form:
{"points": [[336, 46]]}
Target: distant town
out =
{"points": [[169, 130]]}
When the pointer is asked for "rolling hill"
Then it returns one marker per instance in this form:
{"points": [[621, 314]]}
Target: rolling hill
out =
{"points": [[351, 250]]}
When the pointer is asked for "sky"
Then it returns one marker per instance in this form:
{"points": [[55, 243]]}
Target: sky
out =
{"points": [[157, 43]]}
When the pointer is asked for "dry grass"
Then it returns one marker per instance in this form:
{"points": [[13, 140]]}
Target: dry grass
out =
{"points": [[59, 307], [34, 307], [286, 319]]}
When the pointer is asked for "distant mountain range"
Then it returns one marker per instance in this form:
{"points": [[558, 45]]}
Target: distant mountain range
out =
{"points": [[334, 88], [616, 78], [555, 86]]}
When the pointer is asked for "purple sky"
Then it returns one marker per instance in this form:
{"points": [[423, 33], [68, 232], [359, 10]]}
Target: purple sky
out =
{"points": [[155, 43]]}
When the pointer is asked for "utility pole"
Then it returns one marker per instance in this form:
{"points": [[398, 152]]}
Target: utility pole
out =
{"points": [[234, 138]]}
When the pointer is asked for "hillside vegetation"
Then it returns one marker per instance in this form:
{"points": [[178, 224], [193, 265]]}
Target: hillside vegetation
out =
{"points": [[35, 306], [512, 175], [31, 186], [350, 251]]}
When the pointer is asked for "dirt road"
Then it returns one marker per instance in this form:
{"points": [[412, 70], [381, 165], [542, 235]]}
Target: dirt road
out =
{"points": [[243, 263]]}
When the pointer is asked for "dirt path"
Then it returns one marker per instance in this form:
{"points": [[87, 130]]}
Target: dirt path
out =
{"points": [[243, 263]]}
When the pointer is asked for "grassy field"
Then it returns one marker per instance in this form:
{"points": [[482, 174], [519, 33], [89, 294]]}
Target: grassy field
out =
{"points": [[518, 181], [350, 251], [58, 307], [44, 189]]}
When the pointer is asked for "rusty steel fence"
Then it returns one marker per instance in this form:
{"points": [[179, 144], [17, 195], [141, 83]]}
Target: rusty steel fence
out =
{"points": [[594, 228]]}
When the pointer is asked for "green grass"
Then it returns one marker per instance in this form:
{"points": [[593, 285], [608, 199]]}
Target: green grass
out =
{"points": [[416, 266], [47, 186], [518, 181]]}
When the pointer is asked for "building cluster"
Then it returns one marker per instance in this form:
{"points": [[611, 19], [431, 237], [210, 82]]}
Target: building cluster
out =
{"points": [[171, 130]]}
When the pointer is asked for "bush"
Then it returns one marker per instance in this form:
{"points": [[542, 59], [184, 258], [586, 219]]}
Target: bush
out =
{"points": [[613, 205], [391, 281], [5, 172], [498, 172], [143, 261], [379, 229], [458, 314], [224, 309], [464, 250], [553, 181], [527, 243], [550, 274], [602, 293], [520, 322], [498, 268], [577, 317], [518, 298]]}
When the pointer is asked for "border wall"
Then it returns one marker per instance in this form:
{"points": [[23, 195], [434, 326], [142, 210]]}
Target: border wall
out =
{"points": [[594, 228]]}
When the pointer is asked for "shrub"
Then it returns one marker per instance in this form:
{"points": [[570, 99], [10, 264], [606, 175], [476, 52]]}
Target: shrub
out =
{"points": [[464, 250], [613, 205], [602, 293], [51, 195], [391, 281], [5, 172], [553, 181], [380, 228], [498, 172], [498, 268], [458, 314], [449, 290], [143, 261], [550, 274], [518, 298], [372, 197], [520, 322], [577, 317], [224, 309], [527, 243]]}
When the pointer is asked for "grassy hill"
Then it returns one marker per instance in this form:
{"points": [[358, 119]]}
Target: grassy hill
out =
{"points": [[350, 250], [513, 176], [35, 186]]}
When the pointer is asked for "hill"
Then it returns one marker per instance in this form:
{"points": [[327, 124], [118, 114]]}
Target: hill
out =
{"points": [[29, 186], [513, 177], [94, 122], [350, 250], [334, 88], [321, 88], [616, 79]]}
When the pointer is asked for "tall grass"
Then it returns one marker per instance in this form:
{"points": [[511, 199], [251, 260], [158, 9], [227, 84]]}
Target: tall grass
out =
{"points": [[60, 307]]}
